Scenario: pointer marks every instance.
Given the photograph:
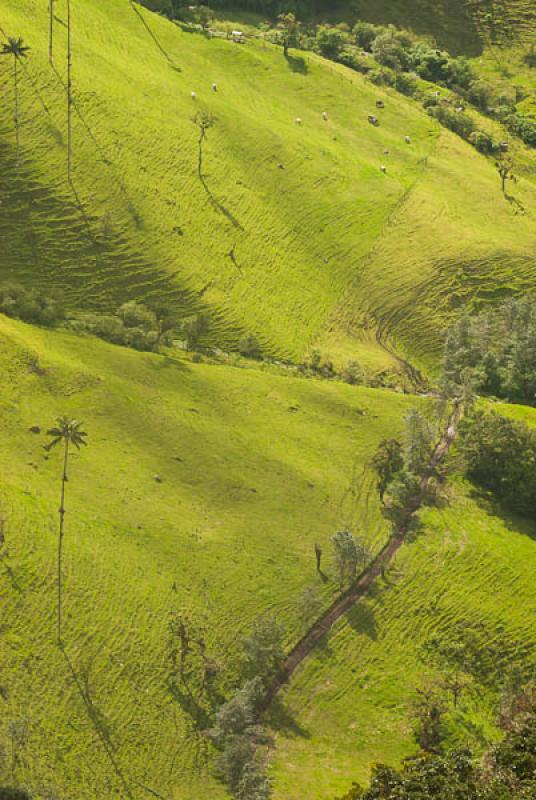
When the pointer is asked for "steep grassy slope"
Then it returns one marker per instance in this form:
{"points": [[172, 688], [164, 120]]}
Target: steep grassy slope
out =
{"points": [[304, 210], [352, 702], [254, 470]]}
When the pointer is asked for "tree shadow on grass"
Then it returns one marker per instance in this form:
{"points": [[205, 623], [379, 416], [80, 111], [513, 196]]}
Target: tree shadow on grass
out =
{"points": [[97, 719], [219, 206], [516, 523], [362, 620], [297, 64], [155, 38], [280, 719]]}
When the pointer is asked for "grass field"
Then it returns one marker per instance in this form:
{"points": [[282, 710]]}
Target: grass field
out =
{"points": [[255, 468], [206, 485], [324, 243]]}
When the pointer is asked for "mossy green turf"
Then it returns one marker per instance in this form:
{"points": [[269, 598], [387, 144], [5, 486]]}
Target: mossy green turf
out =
{"points": [[255, 468], [326, 246]]}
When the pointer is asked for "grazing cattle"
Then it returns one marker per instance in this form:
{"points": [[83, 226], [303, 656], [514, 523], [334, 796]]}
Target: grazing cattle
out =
{"points": [[383, 168], [298, 120], [373, 120], [407, 139], [380, 104], [194, 96], [324, 115]]}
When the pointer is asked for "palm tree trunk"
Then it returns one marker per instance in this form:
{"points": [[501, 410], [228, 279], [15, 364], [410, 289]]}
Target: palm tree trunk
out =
{"points": [[16, 83], [51, 31], [60, 540], [69, 86]]}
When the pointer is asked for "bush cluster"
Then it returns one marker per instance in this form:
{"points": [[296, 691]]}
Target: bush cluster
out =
{"points": [[393, 57], [500, 455], [494, 352], [30, 305], [507, 772]]}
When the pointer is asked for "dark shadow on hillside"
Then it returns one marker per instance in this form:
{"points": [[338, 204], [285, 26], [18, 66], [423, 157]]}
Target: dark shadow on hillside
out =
{"points": [[153, 36], [297, 64], [215, 203], [117, 179], [489, 504], [81, 681], [280, 719], [362, 620], [450, 22], [192, 708], [51, 241], [515, 202]]}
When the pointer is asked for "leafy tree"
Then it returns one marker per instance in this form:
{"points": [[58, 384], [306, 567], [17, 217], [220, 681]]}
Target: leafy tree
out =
{"points": [[67, 432], [263, 647], [418, 442], [387, 462], [18, 51], [249, 347], [330, 41], [353, 374], [204, 121], [346, 556], [505, 168], [288, 31], [254, 784], [389, 51], [308, 604], [500, 454]]}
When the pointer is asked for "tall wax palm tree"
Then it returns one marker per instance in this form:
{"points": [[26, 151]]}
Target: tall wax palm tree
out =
{"points": [[67, 432], [50, 31], [17, 49], [69, 94]]}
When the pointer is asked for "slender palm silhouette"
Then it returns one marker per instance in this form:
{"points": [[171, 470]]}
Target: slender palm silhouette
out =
{"points": [[67, 432], [17, 49]]}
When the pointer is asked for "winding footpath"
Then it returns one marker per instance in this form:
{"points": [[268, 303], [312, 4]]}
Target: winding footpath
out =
{"points": [[343, 603]]}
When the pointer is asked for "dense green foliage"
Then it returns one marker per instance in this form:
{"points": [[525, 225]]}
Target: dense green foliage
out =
{"points": [[501, 456], [494, 351], [508, 772], [30, 305]]}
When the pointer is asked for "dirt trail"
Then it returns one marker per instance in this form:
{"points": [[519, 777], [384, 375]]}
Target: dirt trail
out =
{"points": [[343, 603]]}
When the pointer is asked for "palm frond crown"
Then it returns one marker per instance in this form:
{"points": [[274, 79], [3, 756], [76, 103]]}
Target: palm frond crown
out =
{"points": [[14, 47], [66, 430]]}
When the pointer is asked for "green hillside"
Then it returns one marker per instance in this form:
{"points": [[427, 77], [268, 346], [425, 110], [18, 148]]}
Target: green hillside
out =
{"points": [[254, 470], [324, 244], [209, 478]]}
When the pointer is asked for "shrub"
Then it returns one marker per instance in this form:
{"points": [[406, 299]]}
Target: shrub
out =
{"points": [[456, 121], [406, 83], [501, 456], [352, 374], [364, 34], [483, 142], [249, 347], [390, 52], [263, 647], [330, 41], [30, 305]]}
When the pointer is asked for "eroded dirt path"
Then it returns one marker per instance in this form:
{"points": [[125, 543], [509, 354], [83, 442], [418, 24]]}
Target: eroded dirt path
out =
{"points": [[343, 603]]}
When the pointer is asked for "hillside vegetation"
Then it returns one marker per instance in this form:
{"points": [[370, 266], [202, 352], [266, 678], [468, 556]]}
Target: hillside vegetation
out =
{"points": [[252, 470], [209, 480], [293, 233]]}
